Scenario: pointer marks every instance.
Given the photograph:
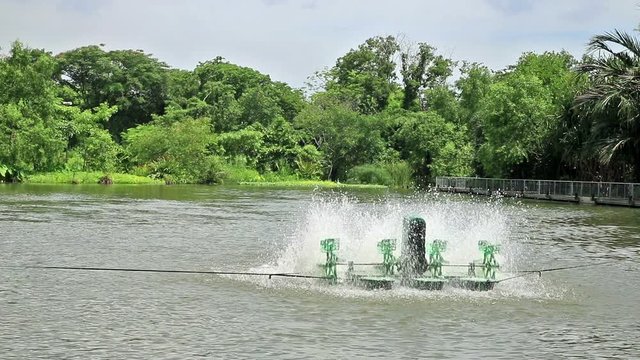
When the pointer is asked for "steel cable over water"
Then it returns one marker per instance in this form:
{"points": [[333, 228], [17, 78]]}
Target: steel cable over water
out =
{"points": [[207, 272], [270, 275], [539, 272]]}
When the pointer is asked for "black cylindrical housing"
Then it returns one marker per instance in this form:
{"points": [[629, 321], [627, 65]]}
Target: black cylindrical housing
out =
{"points": [[414, 261]]}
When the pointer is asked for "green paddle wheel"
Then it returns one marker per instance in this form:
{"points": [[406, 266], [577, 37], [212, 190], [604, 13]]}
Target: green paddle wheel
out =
{"points": [[330, 247], [489, 262], [436, 260], [386, 247], [434, 280], [489, 266]]}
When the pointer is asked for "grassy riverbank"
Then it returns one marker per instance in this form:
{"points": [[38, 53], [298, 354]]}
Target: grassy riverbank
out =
{"points": [[88, 178], [119, 178], [310, 184]]}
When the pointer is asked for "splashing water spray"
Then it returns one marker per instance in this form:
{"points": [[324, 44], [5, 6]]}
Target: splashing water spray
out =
{"points": [[444, 244], [414, 268]]}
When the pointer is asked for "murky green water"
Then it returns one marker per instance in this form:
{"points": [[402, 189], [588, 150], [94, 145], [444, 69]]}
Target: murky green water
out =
{"points": [[590, 312]]}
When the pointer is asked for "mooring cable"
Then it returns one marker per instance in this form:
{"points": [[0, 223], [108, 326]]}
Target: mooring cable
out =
{"points": [[566, 267], [206, 272], [270, 275], [514, 277], [539, 272]]}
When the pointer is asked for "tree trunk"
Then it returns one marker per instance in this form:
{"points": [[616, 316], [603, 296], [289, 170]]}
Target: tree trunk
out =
{"points": [[636, 166]]}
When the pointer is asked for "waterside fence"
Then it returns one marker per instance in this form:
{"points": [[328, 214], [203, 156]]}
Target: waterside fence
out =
{"points": [[588, 192]]}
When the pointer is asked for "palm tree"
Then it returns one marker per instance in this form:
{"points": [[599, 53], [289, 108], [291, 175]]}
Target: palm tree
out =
{"points": [[612, 101]]}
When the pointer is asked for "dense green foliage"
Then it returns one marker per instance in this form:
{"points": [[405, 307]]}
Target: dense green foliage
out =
{"points": [[610, 105], [386, 113]]}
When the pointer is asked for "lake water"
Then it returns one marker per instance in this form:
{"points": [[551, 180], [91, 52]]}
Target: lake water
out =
{"points": [[590, 312]]}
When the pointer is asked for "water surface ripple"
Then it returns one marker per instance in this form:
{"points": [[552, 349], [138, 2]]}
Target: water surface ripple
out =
{"points": [[590, 312]]}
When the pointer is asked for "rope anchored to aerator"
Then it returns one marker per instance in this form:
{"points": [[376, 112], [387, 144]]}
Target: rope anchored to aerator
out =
{"points": [[205, 272]]}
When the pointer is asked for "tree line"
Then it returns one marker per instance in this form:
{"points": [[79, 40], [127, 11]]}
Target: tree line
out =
{"points": [[387, 112]]}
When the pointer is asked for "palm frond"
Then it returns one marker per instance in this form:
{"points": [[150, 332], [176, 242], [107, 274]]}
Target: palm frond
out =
{"points": [[610, 106], [610, 148], [599, 43]]}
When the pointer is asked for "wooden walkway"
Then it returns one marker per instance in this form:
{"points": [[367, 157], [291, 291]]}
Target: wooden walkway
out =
{"points": [[579, 192]]}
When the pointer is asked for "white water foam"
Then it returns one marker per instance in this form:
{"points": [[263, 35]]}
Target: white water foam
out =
{"points": [[361, 225]]}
